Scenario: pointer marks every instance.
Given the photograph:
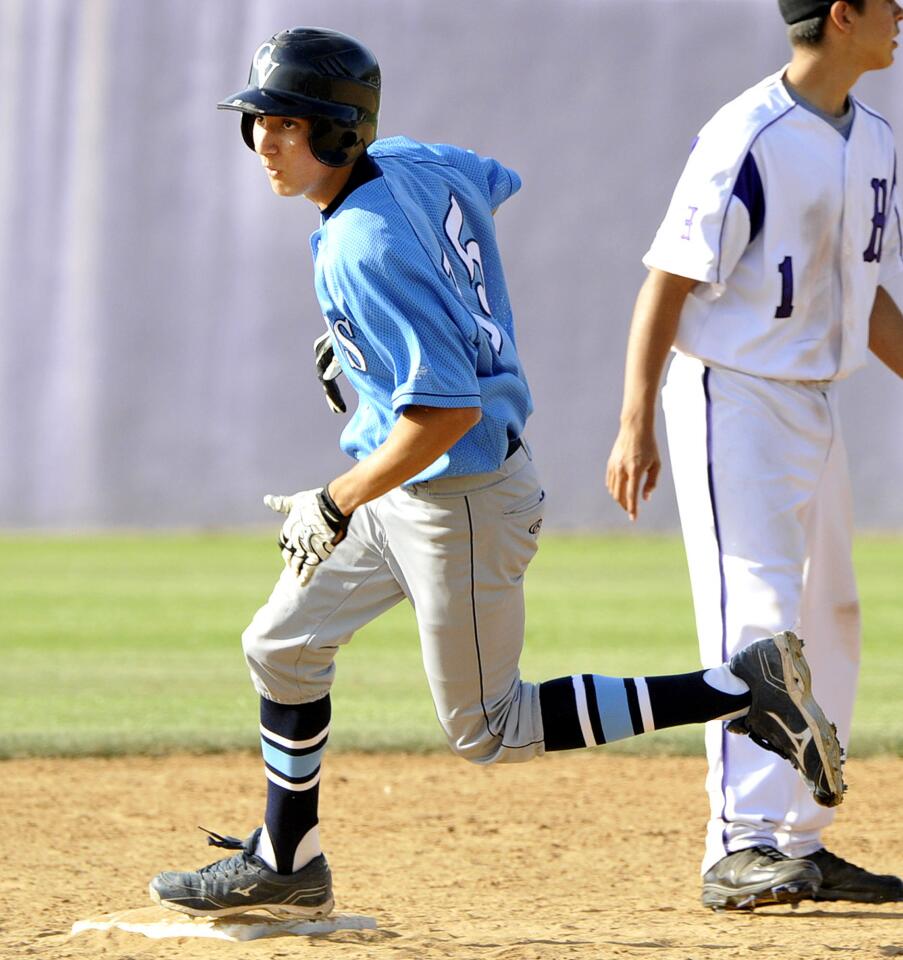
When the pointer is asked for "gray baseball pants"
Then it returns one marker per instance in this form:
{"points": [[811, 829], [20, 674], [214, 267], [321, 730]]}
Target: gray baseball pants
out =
{"points": [[457, 549]]}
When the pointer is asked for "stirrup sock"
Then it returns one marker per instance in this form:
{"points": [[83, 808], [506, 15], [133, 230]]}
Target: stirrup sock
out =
{"points": [[292, 739], [586, 710]]}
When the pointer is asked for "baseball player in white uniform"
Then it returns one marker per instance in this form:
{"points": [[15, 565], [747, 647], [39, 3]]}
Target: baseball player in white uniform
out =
{"points": [[767, 280], [443, 506]]}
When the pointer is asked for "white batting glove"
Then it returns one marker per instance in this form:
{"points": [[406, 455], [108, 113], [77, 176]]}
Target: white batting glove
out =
{"points": [[312, 529], [328, 369]]}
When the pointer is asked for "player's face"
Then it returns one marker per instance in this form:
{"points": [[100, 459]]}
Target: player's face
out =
{"points": [[877, 28], [283, 147]]}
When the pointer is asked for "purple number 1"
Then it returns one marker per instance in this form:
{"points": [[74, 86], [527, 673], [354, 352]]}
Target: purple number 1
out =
{"points": [[785, 268]]}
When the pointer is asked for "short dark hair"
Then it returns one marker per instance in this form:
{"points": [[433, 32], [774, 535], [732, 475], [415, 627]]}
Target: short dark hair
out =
{"points": [[811, 32]]}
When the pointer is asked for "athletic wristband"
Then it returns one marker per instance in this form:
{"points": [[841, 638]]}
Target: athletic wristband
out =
{"points": [[331, 513]]}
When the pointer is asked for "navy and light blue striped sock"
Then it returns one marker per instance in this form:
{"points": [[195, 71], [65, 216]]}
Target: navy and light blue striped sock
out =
{"points": [[292, 739], [587, 709]]}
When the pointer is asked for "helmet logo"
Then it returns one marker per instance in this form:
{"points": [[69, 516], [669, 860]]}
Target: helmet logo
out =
{"points": [[264, 64]]}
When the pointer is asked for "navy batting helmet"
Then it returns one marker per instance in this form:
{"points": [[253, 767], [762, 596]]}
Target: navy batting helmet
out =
{"points": [[326, 76]]}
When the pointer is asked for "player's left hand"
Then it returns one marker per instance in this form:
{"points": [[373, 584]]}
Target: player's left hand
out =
{"points": [[312, 529], [328, 369]]}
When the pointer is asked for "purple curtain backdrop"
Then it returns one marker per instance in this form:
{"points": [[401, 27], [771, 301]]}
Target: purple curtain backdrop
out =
{"points": [[155, 298]]}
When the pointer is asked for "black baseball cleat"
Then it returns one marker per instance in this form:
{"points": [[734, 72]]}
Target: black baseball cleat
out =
{"points": [[784, 716], [842, 880], [758, 877], [243, 883]]}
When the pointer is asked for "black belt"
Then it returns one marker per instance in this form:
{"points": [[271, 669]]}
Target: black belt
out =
{"points": [[513, 447]]}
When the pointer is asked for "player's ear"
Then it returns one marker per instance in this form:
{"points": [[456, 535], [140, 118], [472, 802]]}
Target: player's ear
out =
{"points": [[841, 15]]}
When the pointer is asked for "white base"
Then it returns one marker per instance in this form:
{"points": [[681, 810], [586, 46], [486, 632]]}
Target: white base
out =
{"points": [[159, 924]]}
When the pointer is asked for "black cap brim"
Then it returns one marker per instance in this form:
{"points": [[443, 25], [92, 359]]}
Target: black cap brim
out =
{"points": [[266, 103]]}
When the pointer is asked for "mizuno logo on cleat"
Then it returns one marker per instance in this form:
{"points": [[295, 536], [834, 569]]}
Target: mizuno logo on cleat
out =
{"points": [[799, 741]]}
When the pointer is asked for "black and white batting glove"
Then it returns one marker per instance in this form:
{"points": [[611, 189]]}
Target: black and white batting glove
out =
{"points": [[328, 368], [312, 529]]}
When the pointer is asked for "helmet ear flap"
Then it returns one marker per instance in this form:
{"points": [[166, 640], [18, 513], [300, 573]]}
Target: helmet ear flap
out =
{"points": [[320, 130], [334, 143], [247, 129]]}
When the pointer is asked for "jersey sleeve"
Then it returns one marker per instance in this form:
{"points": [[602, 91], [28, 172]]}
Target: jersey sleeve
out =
{"points": [[716, 210], [502, 181], [495, 181], [420, 333]]}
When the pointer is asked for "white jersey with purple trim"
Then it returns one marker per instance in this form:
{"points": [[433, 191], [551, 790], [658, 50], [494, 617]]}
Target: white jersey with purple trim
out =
{"points": [[790, 228]]}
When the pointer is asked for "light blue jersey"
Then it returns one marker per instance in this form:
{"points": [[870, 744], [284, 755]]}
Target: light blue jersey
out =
{"points": [[410, 281]]}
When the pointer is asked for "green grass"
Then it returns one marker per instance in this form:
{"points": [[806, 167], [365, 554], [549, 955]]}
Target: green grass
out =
{"points": [[124, 644]]}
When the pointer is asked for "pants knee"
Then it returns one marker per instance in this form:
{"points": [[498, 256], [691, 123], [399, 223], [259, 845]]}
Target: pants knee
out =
{"points": [[477, 735], [849, 620], [257, 659], [252, 647], [286, 672], [479, 747], [507, 729]]}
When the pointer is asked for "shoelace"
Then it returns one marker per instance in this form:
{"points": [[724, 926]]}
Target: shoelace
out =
{"points": [[229, 865], [218, 840], [770, 853]]}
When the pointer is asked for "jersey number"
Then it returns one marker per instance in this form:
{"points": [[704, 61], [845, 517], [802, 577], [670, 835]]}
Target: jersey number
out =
{"points": [[879, 221], [470, 256], [785, 307], [871, 253]]}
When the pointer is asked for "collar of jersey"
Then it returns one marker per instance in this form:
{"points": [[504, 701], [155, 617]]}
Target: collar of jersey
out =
{"points": [[364, 170]]}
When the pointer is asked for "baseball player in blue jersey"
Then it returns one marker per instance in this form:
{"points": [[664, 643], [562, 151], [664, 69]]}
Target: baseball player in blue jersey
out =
{"points": [[442, 506], [767, 279]]}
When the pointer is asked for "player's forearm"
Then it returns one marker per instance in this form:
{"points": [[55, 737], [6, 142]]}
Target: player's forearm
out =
{"points": [[886, 331], [420, 436], [652, 331]]}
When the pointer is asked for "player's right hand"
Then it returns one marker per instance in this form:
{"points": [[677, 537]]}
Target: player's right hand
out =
{"points": [[634, 461], [312, 529]]}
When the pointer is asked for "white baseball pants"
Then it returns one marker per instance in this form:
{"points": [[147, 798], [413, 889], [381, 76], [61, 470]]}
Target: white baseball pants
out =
{"points": [[457, 548], [762, 487]]}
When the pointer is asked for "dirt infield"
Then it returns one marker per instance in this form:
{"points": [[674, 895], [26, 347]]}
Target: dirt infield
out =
{"points": [[580, 856]]}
